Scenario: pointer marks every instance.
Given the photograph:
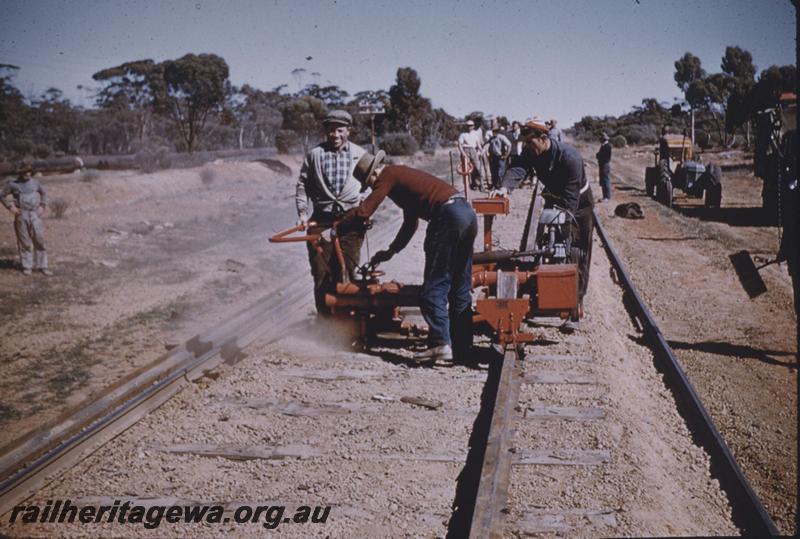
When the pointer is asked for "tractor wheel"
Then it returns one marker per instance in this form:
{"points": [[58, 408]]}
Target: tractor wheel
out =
{"points": [[668, 194], [664, 194]]}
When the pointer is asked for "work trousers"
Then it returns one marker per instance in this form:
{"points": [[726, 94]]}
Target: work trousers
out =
{"points": [[497, 165], [477, 177], [445, 298], [29, 229], [325, 267], [582, 239], [605, 180]]}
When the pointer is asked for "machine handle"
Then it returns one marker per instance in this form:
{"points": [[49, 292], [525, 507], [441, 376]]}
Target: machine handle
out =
{"points": [[286, 237]]}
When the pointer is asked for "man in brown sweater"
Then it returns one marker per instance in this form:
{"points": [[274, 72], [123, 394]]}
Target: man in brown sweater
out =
{"points": [[445, 299]]}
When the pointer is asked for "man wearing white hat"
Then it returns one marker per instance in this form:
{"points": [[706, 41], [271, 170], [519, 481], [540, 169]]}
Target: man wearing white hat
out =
{"points": [[470, 145], [326, 179]]}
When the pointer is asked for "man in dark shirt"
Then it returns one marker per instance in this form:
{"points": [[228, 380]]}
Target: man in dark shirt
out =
{"points": [[604, 163], [663, 145], [559, 167], [445, 298]]}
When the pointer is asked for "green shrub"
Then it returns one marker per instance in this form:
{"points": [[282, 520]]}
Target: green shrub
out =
{"points": [[285, 140], [89, 176], [618, 141], [399, 144], [207, 176], [702, 139], [41, 151], [639, 133], [59, 207], [150, 158], [22, 146]]}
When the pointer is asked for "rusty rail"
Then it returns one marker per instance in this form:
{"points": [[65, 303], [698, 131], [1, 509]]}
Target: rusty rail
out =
{"points": [[748, 512]]}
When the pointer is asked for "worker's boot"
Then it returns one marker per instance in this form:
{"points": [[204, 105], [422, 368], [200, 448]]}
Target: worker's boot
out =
{"points": [[431, 355]]}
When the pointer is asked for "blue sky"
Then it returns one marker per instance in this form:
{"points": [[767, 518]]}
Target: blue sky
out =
{"points": [[549, 58]]}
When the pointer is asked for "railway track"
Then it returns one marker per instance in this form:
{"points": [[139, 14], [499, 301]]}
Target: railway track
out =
{"points": [[325, 424]]}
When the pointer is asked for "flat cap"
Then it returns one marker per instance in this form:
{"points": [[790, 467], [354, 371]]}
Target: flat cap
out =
{"points": [[341, 117]]}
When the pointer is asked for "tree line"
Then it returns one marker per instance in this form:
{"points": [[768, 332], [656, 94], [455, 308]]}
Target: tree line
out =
{"points": [[724, 103], [189, 104]]}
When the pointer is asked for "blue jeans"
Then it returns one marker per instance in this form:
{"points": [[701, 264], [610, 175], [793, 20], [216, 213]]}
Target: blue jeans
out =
{"points": [[445, 295]]}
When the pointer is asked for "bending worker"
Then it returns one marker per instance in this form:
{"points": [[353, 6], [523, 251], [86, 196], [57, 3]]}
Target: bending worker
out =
{"points": [[559, 166], [326, 178], [445, 299]]}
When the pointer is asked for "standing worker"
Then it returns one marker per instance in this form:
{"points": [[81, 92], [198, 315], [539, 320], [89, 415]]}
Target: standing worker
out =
{"points": [[515, 136], [498, 148], [663, 146], [559, 167], [470, 146], [604, 163], [445, 299], [326, 178], [555, 132], [29, 202]]}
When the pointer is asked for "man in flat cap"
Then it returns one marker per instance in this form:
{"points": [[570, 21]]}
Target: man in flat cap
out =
{"points": [[326, 179], [470, 146], [445, 299], [28, 203], [559, 167], [603, 156]]}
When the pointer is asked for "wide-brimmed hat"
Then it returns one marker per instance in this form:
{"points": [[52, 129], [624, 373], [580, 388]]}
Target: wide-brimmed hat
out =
{"points": [[340, 117], [366, 166], [24, 167], [535, 126]]}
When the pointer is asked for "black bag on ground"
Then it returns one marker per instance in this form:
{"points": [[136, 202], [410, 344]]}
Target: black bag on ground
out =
{"points": [[629, 210]]}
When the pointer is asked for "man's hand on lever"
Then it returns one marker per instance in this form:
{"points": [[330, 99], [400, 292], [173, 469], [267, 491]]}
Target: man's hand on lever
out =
{"points": [[381, 256], [497, 193]]}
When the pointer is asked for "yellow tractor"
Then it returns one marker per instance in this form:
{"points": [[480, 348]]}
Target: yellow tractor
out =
{"points": [[663, 177]]}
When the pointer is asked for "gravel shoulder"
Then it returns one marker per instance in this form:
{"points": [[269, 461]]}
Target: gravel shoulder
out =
{"points": [[740, 354]]}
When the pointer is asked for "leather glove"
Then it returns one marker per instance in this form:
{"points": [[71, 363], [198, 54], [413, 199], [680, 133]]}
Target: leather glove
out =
{"points": [[381, 256]]}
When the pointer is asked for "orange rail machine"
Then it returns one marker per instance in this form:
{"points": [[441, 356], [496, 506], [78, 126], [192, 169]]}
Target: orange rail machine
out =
{"points": [[536, 289]]}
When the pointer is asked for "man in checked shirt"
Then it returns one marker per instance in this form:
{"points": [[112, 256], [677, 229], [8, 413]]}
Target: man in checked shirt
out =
{"points": [[326, 179]]}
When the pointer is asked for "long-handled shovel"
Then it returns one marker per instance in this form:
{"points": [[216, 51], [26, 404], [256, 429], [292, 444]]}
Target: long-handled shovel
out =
{"points": [[747, 271]]}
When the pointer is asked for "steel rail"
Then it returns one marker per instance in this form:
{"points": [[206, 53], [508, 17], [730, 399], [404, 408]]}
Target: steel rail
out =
{"points": [[78, 442], [488, 516], [748, 512], [31, 461]]}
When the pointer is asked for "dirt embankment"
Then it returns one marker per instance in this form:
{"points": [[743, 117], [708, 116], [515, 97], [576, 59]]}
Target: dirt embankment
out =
{"points": [[141, 262], [740, 354]]}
